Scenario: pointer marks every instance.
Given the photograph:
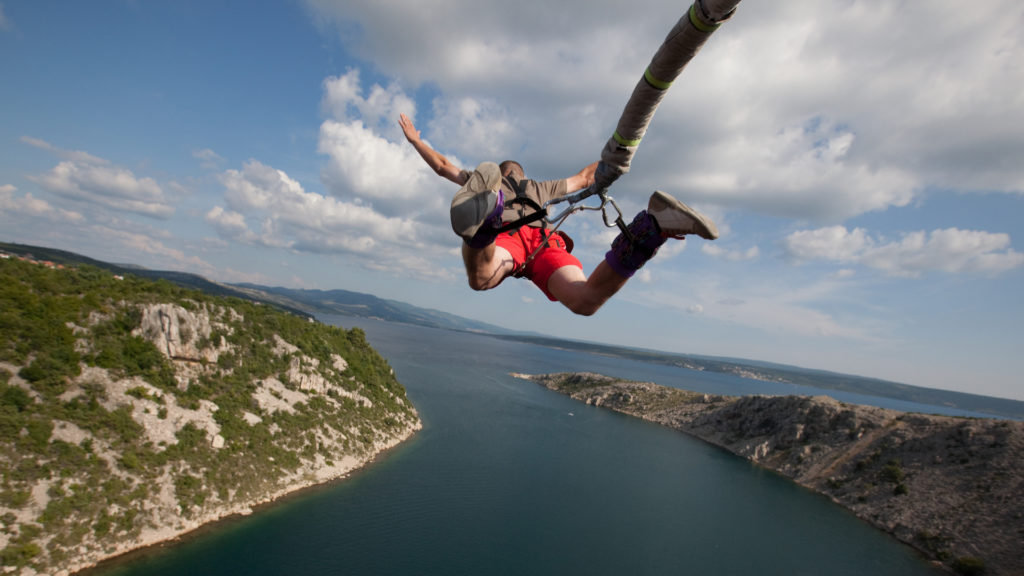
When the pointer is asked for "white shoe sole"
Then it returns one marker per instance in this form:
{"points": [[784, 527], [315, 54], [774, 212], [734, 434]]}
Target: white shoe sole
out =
{"points": [[469, 208], [677, 219]]}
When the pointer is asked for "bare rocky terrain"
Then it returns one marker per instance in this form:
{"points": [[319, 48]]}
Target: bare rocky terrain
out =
{"points": [[950, 487]]}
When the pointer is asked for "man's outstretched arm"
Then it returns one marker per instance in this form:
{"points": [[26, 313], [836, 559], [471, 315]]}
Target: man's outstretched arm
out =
{"points": [[437, 161]]}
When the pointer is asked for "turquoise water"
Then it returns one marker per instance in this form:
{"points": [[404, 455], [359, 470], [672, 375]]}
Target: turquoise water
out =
{"points": [[509, 478]]}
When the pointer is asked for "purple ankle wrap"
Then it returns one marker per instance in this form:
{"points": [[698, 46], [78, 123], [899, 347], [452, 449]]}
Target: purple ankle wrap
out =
{"points": [[627, 257]]}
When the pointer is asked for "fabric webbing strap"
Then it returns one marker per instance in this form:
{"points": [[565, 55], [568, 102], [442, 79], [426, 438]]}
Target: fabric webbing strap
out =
{"points": [[539, 214]]}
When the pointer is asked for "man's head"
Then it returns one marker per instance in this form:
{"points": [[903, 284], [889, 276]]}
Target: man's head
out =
{"points": [[512, 169]]}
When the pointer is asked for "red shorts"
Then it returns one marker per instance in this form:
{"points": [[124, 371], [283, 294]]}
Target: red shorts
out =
{"points": [[522, 242]]}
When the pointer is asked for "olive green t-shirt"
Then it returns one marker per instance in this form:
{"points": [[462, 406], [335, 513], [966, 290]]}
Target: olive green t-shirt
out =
{"points": [[539, 192]]}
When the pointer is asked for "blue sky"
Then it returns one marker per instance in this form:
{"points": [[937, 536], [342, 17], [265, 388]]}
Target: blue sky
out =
{"points": [[864, 162]]}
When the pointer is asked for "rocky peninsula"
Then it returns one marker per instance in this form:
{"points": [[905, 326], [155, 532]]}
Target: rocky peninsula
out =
{"points": [[950, 487]]}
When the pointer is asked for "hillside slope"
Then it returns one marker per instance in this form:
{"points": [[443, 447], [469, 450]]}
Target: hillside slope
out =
{"points": [[133, 411]]}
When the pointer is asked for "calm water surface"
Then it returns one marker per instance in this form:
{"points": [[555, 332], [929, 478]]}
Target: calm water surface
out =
{"points": [[509, 478]]}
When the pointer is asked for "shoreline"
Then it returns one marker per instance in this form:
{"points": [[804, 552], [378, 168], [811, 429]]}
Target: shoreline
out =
{"points": [[217, 522], [946, 486]]}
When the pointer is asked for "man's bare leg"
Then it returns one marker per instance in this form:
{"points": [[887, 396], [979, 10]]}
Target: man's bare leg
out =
{"points": [[486, 267], [581, 294], [664, 218]]}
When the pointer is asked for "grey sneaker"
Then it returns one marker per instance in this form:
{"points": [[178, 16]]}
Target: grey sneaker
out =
{"points": [[677, 219], [478, 201]]}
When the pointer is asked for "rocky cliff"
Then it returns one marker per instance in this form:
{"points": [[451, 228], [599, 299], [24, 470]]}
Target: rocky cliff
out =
{"points": [[950, 487], [133, 412]]}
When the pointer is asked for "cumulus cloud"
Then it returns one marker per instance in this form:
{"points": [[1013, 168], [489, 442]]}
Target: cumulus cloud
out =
{"points": [[363, 166], [382, 205], [108, 186], [834, 243], [29, 205], [76, 156], [733, 255], [808, 110], [262, 189], [208, 159], [480, 125], [92, 180], [948, 250], [230, 224], [803, 171], [266, 206], [369, 161], [378, 110]]}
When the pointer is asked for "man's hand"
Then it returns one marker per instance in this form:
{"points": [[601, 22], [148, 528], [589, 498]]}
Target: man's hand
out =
{"points": [[582, 179], [437, 161], [411, 133]]}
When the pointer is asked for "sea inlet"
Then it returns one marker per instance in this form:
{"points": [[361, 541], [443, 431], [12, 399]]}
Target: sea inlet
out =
{"points": [[507, 477]]}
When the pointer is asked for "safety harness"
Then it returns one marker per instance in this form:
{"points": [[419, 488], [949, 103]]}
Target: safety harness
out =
{"points": [[539, 213]]}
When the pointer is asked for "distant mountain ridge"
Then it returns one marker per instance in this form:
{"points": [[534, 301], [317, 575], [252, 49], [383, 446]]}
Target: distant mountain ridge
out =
{"points": [[822, 379], [348, 303], [300, 301], [362, 305]]}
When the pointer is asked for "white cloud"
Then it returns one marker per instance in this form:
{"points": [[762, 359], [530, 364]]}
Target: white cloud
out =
{"points": [[390, 176], [802, 171], [108, 186], [832, 243], [729, 254], [369, 161], [208, 159], [29, 205], [230, 224], [379, 110], [808, 110], [291, 217], [949, 250], [149, 244], [76, 156], [93, 180], [480, 125]]}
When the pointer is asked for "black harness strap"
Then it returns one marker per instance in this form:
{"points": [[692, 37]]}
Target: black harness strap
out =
{"points": [[539, 213]]}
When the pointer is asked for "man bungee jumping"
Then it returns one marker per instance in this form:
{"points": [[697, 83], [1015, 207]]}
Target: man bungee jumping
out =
{"points": [[493, 196]]}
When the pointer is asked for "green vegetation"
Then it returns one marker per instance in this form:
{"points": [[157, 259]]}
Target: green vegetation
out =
{"points": [[66, 334], [969, 566], [892, 472]]}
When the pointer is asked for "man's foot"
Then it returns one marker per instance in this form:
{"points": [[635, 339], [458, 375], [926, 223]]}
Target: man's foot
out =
{"points": [[477, 206], [677, 219]]}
